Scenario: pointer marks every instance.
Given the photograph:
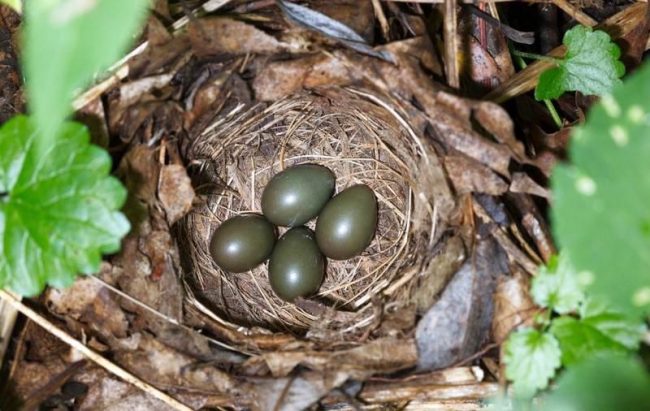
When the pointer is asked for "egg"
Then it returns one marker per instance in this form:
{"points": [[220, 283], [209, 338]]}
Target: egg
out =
{"points": [[296, 266], [348, 223], [242, 242], [297, 194]]}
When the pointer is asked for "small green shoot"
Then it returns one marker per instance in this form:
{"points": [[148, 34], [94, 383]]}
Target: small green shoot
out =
{"points": [[591, 65]]}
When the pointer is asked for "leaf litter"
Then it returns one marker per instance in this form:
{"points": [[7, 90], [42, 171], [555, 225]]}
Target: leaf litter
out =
{"points": [[470, 295]]}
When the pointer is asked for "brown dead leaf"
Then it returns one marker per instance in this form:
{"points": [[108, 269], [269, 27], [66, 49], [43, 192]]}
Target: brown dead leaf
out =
{"points": [[470, 176], [453, 127], [356, 14], [221, 35], [379, 356], [513, 305], [156, 31], [91, 303], [458, 324], [480, 67], [283, 78], [435, 276], [175, 192], [295, 393], [498, 123], [522, 183], [161, 365], [163, 58], [139, 171]]}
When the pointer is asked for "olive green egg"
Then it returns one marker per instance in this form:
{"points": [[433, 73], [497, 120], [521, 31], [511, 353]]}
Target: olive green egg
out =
{"points": [[348, 223], [296, 267], [242, 242], [297, 194]]}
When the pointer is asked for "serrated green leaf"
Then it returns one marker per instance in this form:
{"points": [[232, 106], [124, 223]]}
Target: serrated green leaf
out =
{"points": [[550, 84], [615, 325], [601, 215], [556, 286], [591, 65], [531, 358], [67, 42], [14, 4], [580, 340], [57, 208], [601, 384]]}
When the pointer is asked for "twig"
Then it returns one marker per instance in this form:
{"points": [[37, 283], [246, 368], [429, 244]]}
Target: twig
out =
{"points": [[575, 12], [522, 37], [617, 26], [534, 56], [90, 354], [120, 70], [383, 23], [8, 316], [451, 44]]}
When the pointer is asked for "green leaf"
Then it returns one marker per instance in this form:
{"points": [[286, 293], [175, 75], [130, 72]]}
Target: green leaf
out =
{"points": [[591, 66], [580, 340], [531, 358], [67, 42], [557, 286], [615, 325], [14, 4], [601, 384], [57, 208], [601, 210]]}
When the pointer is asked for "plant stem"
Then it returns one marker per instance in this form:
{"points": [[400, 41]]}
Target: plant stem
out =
{"points": [[549, 104], [534, 56], [554, 114]]}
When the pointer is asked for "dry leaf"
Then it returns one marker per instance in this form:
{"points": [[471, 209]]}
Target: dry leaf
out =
{"points": [[513, 306], [175, 192], [221, 35], [469, 176], [458, 324]]}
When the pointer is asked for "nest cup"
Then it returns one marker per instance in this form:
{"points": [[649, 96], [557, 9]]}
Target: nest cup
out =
{"points": [[362, 140]]}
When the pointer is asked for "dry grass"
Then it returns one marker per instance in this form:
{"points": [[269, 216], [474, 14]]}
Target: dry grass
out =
{"points": [[361, 142]]}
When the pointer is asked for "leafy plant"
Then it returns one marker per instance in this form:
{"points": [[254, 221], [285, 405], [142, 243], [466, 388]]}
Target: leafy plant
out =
{"points": [[601, 384], [602, 221], [66, 44], [600, 213], [591, 65], [58, 204], [586, 328], [57, 212]]}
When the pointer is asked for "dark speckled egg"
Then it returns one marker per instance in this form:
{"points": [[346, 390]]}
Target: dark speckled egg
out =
{"points": [[242, 242], [297, 194], [296, 267], [348, 223]]}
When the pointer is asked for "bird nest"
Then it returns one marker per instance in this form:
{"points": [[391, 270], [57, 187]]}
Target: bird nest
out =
{"points": [[362, 140]]}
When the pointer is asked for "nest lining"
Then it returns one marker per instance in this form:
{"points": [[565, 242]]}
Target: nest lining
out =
{"points": [[360, 142]]}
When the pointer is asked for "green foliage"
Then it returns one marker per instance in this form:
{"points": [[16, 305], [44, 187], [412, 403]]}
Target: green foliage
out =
{"points": [[588, 328], [581, 340], [556, 286], [601, 215], [591, 65], [531, 358], [15, 4], [66, 44], [601, 384], [57, 208]]}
